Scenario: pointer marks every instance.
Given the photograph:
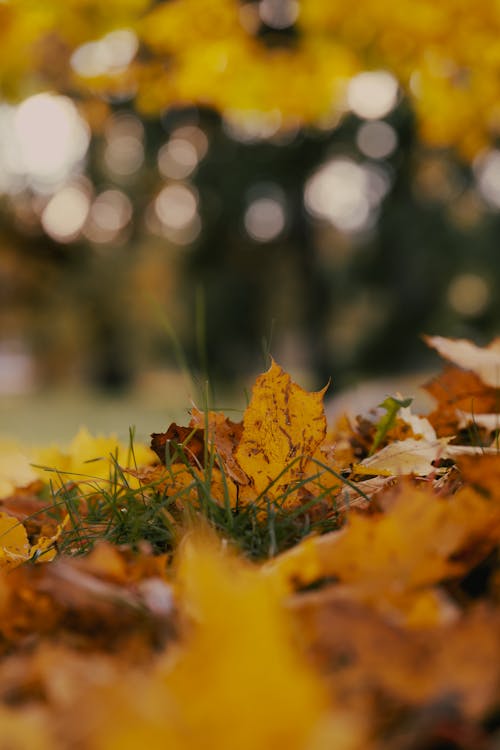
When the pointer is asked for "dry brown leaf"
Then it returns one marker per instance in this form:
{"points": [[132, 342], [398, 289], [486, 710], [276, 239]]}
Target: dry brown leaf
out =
{"points": [[99, 601], [225, 436], [459, 391], [179, 445]]}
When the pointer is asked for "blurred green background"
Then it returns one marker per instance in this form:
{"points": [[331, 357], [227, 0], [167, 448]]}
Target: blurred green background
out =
{"points": [[126, 238]]}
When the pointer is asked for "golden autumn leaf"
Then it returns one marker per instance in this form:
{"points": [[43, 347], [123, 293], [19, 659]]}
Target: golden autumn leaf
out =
{"points": [[282, 427], [89, 458], [15, 547], [389, 559], [14, 544], [239, 652], [15, 469]]}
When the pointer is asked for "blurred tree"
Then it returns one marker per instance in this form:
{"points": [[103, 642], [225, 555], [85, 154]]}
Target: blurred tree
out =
{"points": [[300, 162]]}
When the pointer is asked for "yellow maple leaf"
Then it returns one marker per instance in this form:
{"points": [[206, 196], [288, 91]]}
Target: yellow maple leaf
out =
{"points": [[15, 547], [240, 646], [90, 458], [14, 544], [282, 427], [15, 469]]}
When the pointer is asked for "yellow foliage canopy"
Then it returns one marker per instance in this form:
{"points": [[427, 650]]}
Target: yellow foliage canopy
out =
{"points": [[444, 54]]}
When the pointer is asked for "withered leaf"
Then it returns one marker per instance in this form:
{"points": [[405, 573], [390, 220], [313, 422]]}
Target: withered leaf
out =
{"points": [[181, 444], [224, 435], [457, 391], [99, 599], [282, 427]]}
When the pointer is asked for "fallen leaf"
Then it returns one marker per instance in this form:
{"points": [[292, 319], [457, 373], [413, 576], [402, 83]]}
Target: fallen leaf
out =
{"points": [[403, 457], [482, 472], [225, 436], [101, 600], [15, 469], [179, 445], [389, 559], [282, 427], [14, 544], [28, 728], [458, 391], [420, 425], [490, 422], [364, 656], [483, 361], [88, 458]]}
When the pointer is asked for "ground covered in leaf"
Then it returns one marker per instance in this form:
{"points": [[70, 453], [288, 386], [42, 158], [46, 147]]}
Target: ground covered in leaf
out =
{"points": [[274, 582]]}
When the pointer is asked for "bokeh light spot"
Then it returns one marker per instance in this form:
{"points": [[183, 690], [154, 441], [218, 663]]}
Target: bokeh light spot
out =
{"points": [[278, 14], [194, 135], [124, 155], [177, 159], [373, 94], [124, 152], [110, 213], [251, 126], [50, 137], [376, 139], [468, 294], [265, 219], [487, 171], [346, 194], [111, 54], [65, 213], [176, 207]]}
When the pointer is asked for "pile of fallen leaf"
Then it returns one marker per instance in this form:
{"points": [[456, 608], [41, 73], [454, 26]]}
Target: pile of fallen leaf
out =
{"points": [[381, 634]]}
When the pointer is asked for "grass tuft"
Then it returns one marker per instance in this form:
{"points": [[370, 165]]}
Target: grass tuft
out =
{"points": [[121, 513]]}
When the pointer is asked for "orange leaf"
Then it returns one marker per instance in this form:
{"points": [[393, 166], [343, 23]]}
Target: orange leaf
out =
{"points": [[225, 435], [458, 391], [387, 559], [482, 472], [181, 444], [282, 427]]}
